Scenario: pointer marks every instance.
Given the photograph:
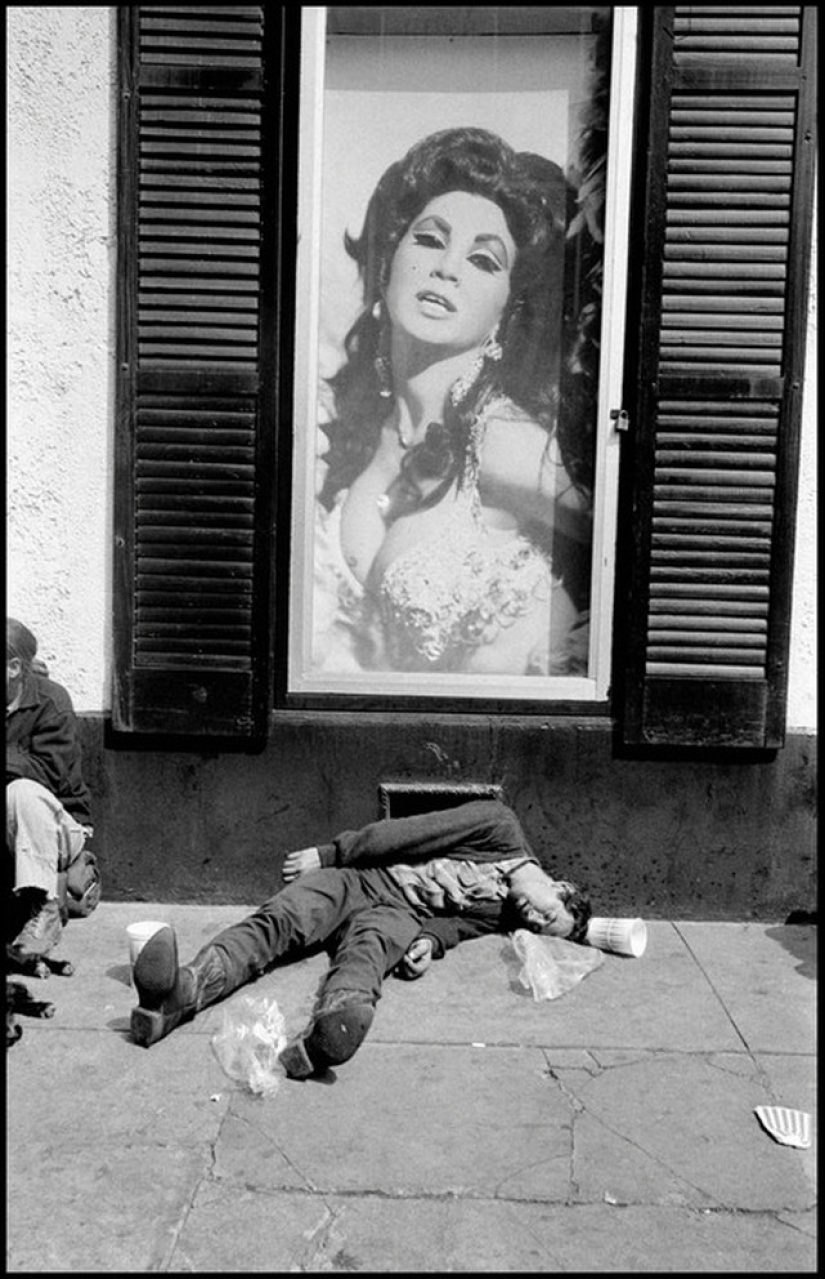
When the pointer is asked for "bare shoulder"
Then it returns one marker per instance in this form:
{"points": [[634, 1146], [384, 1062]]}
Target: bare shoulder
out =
{"points": [[513, 442]]}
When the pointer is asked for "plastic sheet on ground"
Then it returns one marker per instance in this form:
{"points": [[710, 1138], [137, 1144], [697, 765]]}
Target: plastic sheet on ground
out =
{"points": [[551, 966], [250, 1041]]}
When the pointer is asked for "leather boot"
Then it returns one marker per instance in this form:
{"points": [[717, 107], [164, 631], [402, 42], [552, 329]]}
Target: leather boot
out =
{"points": [[338, 1027], [169, 994]]}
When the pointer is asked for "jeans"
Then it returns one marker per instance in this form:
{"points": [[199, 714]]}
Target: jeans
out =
{"points": [[41, 836], [362, 915]]}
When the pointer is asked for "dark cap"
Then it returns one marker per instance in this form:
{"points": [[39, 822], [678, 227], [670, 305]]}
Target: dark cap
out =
{"points": [[20, 642]]}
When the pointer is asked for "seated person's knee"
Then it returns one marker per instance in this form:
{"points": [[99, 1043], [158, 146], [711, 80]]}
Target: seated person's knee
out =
{"points": [[24, 792]]}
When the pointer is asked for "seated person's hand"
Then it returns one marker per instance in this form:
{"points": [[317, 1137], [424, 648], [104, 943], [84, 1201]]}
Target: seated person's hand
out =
{"points": [[301, 862], [417, 959]]}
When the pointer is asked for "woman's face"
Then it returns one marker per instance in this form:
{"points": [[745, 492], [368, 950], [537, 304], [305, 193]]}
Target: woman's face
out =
{"points": [[450, 277]]}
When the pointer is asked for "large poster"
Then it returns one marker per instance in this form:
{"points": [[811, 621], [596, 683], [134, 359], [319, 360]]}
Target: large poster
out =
{"points": [[446, 360]]}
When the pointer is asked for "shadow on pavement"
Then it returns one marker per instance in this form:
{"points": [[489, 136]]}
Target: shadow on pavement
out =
{"points": [[800, 941]]}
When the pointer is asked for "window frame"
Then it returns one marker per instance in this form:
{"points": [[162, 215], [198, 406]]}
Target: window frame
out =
{"points": [[587, 694]]}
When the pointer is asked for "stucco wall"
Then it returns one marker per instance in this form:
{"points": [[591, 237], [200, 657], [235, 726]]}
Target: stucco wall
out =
{"points": [[61, 258], [61, 192]]}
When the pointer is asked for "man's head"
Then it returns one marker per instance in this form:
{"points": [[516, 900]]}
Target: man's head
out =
{"points": [[552, 907], [21, 650]]}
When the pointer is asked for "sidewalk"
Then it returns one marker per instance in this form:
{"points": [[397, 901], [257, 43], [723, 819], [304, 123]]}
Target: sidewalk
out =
{"points": [[612, 1129]]}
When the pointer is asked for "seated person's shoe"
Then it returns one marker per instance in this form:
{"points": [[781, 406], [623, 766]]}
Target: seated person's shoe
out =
{"points": [[166, 992], [40, 934]]}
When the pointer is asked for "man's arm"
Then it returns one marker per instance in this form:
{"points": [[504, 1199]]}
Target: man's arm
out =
{"points": [[482, 830], [447, 931], [443, 932]]}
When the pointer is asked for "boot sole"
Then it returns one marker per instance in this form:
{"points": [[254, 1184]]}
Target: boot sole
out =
{"points": [[156, 967]]}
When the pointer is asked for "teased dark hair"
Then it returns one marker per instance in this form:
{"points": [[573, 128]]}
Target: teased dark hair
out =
{"points": [[534, 196], [579, 906]]}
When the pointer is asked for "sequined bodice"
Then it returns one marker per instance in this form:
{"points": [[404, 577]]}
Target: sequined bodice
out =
{"points": [[456, 589], [441, 604]]}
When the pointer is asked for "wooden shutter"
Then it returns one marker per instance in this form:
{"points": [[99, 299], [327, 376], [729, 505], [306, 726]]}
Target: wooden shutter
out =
{"points": [[197, 351], [726, 230]]}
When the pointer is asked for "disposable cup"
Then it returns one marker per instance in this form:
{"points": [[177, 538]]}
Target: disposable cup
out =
{"points": [[139, 934], [621, 936]]}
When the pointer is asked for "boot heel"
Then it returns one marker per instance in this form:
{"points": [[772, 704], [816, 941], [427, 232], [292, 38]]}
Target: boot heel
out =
{"points": [[295, 1061], [148, 1026]]}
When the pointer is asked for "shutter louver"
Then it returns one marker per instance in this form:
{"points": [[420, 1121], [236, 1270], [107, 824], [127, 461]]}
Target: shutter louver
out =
{"points": [[194, 644], [728, 199]]}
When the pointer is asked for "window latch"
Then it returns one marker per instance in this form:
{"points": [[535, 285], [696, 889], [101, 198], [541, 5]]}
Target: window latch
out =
{"points": [[621, 418]]}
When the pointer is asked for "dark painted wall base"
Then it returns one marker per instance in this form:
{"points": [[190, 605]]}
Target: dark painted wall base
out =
{"points": [[723, 838]]}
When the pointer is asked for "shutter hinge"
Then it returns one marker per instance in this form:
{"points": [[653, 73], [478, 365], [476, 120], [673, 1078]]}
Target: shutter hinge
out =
{"points": [[621, 418]]}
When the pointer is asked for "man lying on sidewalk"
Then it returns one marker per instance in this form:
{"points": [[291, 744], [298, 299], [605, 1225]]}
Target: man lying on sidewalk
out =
{"points": [[393, 895]]}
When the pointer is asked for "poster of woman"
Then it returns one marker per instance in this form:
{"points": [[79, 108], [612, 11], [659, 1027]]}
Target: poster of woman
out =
{"points": [[443, 514]]}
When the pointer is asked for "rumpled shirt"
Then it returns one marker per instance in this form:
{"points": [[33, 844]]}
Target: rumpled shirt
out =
{"points": [[445, 883]]}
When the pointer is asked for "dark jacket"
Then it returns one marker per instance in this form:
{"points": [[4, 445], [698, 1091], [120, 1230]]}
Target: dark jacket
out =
{"points": [[483, 830], [479, 920], [42, 745]]}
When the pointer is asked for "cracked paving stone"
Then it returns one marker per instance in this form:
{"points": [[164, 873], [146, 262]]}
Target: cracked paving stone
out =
{"points": [[679, 1129]]}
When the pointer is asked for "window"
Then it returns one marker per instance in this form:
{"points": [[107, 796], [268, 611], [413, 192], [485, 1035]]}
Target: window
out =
{"points": [[420, 602], [707, 191]]}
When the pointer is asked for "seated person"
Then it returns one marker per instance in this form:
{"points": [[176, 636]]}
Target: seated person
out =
{"points": [[398, 892], [48, 806]]}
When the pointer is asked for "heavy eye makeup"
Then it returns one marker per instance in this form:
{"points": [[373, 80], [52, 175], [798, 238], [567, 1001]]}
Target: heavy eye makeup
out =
{"points": [[491, 260]]}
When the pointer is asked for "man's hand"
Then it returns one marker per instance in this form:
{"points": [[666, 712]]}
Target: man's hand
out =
{"points": [[301, 862], [417, 959]]}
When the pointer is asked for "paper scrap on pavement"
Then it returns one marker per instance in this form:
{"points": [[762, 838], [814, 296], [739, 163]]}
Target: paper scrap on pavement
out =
{"points": [[790, 1127]]}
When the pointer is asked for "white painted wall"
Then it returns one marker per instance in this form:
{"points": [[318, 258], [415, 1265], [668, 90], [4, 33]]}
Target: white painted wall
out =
{"points": [[60, 307], [61, 128]]}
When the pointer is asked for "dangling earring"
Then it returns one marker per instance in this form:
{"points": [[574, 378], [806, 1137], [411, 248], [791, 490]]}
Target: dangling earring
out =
{"points": [[463, 384], [492, 347], [491, 350], [383, 370]]}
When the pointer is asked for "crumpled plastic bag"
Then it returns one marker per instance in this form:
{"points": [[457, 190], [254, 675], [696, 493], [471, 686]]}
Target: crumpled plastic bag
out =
{"points": [[250, 1041], [552, 965]]}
